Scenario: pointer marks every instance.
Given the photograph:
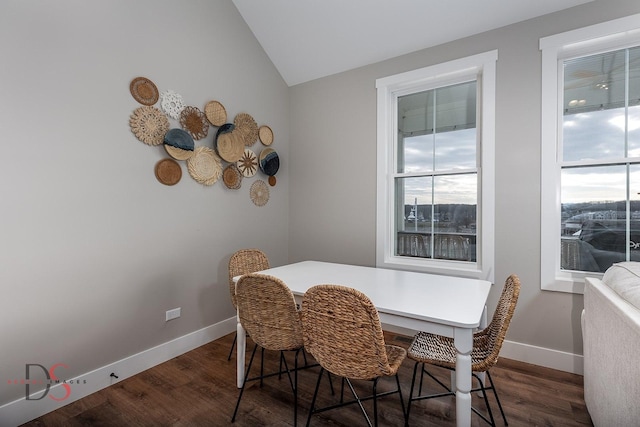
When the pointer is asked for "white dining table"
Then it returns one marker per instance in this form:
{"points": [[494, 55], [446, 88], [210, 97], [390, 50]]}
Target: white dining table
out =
{"points": [[444, 305]]}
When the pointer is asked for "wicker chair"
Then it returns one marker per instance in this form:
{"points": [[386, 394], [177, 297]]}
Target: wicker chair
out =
{"points": [[440, 351], [267, 311], [244, 261], [341, 329]]}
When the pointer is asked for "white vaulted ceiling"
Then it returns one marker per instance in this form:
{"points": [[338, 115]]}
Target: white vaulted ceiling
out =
{"points": [[309, 39]]}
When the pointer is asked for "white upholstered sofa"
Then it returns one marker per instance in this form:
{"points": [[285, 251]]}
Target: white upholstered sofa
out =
{"points": [[611, 334]]}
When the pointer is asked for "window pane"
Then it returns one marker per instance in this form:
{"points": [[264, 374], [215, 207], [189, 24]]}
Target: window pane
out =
{"points": [[634, 102], [436, 129], [418, 154], [594, 98], [456, 150], [445, 229], [455, 209], [594, 222]]}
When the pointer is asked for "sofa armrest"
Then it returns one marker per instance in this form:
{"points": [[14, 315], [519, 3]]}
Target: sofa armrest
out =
{"points": [[611, 335]]}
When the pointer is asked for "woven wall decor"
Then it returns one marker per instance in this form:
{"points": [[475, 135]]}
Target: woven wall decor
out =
{"points": [[247, 127], [248, 163], [144, 91], [179, 138], [259, 193], [204, 166], [216, 113], [149, 125], [269, 161], [168, 171], [265, 134], [195, 122], [230, 146], [232, 177], [178, 153], [172, 103]]}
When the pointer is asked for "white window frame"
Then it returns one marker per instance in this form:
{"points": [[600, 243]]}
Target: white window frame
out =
{"points": [[612, 35], [482, 68]]}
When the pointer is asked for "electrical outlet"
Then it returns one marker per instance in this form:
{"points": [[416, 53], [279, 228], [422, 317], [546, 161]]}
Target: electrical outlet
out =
{"points": [[173, 314]]}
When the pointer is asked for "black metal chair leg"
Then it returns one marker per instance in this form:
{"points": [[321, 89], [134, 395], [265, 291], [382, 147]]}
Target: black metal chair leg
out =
{"points": [[233, 344], [375, 402], [315, 395], [491, 421], [495, 393], [246, 376], [413, 382], [404, 413]]}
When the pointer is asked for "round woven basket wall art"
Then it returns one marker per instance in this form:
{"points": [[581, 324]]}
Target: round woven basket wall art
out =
{"points": [[172, 104], [230, 146], [232, 177], [168, 171], [266, 135], [216, 113], [178, 153], [204, 166], [195, 122], [144, 91], [247, 127], [248, 163], [259, 193], [149, 125]]}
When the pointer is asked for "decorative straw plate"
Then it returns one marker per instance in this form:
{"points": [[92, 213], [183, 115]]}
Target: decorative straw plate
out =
{"points": [[194, 121], [178, 153], [204, 166], [232, 177], [149, 125], [269, 161], [168, 171], [230, 146], [248, 164], [144, 91], [216, 113], [265, 134], [172, 103], [179, 138], [247, 127], [259, 193]]}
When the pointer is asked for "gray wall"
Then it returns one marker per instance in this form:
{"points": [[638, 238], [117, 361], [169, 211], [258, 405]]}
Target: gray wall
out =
{"points": [[333, 165], [93, 248]]}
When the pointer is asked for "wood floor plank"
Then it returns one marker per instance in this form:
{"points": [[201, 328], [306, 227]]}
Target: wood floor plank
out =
{"points": [[198, 389]]}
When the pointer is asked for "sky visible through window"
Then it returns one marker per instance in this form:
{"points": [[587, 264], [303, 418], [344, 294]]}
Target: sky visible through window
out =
{"points": [[600, 136], [455, 150]]}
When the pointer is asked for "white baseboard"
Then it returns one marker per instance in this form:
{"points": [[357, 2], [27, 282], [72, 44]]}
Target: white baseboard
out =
{"points": [[21, 411], [560, 360]]}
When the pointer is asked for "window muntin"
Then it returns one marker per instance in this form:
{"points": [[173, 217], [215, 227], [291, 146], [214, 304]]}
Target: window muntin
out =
{"points": [[425, 116]]}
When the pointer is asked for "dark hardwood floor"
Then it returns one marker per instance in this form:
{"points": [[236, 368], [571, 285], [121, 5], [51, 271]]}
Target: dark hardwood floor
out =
{"points": [[198, 389]]}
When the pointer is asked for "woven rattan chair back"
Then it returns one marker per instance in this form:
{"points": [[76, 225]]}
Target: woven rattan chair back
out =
{"points": [[488, 342], [243, 262], [341, 329], [268, 312]]}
